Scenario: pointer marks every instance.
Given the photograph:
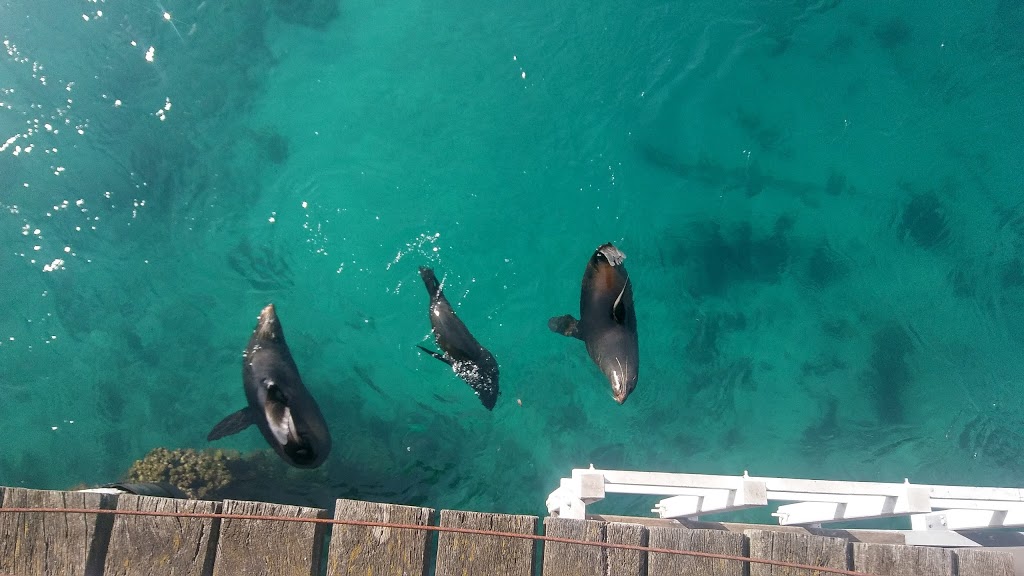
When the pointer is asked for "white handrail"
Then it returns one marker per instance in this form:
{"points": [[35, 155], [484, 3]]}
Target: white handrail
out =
{"points": [[930, 507]]}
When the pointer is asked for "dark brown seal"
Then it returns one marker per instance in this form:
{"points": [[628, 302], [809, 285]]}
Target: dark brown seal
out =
{"points": [[607, 323]]}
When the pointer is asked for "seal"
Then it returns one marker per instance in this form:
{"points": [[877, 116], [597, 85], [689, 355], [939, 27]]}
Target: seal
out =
{"points": [[607, 323], [468, 359], [279, 404]]}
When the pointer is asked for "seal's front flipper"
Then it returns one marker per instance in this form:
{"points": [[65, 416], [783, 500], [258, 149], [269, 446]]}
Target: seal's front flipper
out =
{"points": [[565, 325], [233, 424], [435, 355]]}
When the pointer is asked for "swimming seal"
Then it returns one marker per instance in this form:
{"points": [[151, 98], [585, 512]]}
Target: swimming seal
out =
{"points": [[468, 359], [607, 323], [279, 403]]}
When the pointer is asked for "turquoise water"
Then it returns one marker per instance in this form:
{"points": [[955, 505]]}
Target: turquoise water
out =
{"points": [[820, 203]]}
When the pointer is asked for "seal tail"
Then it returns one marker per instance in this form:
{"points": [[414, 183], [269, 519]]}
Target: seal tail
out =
{"points": [[433, 286], [613, 255]]}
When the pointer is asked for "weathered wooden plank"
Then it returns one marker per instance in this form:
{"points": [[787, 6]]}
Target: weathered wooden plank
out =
{"points": [[561, 559], [379, 551], [572, 559], [626, 562], [713, 541], [459, 554], [51, 543], [791, 547], [173, 546], [895, 560], [269, 547], [983, 562]]}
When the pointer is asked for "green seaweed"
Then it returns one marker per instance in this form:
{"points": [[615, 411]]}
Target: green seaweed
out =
{"points": [[200, 474]]}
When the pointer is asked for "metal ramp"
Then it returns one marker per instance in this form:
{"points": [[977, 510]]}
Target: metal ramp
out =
{"points": [[935, 512]]}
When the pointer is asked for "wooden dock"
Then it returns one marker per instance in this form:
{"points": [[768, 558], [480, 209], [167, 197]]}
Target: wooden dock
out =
{"points": [[37, 543]]}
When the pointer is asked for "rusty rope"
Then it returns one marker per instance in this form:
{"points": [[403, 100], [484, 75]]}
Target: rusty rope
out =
{"points": [[372, 523]]}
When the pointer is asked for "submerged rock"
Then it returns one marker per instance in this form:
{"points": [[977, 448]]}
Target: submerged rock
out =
{"points": [[214, 474], [200, 474]]}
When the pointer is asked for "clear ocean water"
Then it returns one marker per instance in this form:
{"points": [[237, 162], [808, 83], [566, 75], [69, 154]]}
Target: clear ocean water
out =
{"points": [[820, 202]]}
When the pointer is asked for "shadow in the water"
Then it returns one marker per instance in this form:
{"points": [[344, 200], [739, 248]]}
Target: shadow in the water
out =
{"points": [[752, 179], [718, 258], [263, 266], [893, 34], [923, 219], [994, 440], [270, 145], [704, 346], [315, 14], [889, 374], [825, 267], [766, 137]]}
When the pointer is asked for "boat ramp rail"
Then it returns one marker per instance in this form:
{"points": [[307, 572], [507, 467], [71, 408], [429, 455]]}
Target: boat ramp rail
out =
{"points": [[935, 512]]}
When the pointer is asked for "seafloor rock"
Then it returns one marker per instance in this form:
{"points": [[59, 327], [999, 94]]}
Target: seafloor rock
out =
{"points": [[200, 474], [215, 474]]}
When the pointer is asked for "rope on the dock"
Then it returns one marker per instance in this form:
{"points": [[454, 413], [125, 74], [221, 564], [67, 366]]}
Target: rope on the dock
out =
{"points": [[475, 531]]}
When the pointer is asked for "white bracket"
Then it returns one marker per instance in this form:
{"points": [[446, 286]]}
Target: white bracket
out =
{"points": [[695, 501], [839, 507], [1011, 515], [573, 494]]}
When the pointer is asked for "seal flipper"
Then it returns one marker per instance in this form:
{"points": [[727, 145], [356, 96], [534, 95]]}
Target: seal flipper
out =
{"points": [[565, 325], [435, 355], [233, 424]]}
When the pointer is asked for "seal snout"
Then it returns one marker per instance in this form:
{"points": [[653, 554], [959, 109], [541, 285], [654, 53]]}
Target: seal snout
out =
{"points": [[621, 378]]}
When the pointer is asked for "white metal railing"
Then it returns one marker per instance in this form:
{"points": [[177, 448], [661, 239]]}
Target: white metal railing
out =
{"points": [[814, 502]]}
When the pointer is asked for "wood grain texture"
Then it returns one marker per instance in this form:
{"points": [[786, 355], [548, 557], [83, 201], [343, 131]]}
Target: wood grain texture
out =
{"points": [[562, 559], [471, 554], [269, 547], [983, 562], [626, 562], [360, 550], [794, 547], [50, 543], [174, 546], [894, 560], [714, 541]]}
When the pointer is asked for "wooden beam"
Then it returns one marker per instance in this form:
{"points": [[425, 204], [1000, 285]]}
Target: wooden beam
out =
{"points": [[269, 547], [891, 560], [714, 541], [792, 547], [626, 562], [459, 554], [380, 551], [572, 559], [47, 543], [562, 559], [982, 562], [180, 546]]}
